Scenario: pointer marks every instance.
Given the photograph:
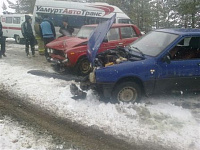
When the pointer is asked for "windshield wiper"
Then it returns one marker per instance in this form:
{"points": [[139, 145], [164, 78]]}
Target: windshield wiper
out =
{"points": [[129, 51], [137, 50], [82, 37]]}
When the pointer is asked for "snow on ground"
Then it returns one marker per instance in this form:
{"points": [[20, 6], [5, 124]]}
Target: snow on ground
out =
{"points": [[15, 136], [162, 123]]}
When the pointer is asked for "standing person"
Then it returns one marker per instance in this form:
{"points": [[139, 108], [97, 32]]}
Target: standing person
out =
{"points": [[3, 42], [27, 32], [38, 35], [48, 33], [65, 29]]}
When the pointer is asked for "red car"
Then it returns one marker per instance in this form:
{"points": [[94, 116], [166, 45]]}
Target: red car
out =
{"points": [[71, 52]]}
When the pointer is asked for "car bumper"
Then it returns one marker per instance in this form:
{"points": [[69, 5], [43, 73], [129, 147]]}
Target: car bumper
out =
{"points": [[57, 59], [105, 88]]}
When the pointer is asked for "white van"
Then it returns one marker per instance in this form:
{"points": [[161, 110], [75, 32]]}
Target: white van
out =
{"points": [[12, 26], [78, 13]]}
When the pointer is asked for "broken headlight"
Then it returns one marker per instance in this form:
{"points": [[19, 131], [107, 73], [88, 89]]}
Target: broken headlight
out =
{"points": [[92, 76]]}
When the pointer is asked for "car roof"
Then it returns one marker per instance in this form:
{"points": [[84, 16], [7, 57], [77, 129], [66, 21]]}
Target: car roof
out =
{"points": [[114, 25], [181, 31]]}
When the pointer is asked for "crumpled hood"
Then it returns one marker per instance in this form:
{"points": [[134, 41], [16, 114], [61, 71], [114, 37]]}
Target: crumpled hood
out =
{"points": [[65, 43]]}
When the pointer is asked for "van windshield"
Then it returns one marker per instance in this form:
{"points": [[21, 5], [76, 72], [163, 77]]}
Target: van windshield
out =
{"points": [[85, 31]]}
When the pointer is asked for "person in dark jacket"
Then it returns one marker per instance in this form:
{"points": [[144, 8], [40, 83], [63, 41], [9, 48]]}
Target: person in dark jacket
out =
{"points": [[3, 42], [27, 32], [65, 29], [48, 33]]}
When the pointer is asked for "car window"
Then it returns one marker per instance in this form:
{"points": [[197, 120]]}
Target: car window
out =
{"points": [[127, 32], [188, 48], [113, 34]]}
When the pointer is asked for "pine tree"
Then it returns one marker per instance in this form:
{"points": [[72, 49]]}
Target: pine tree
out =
{"points": [[22, 6], [4, 7]]}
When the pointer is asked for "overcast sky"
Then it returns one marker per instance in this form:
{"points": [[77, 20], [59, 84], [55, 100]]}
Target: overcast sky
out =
{"points": [[8, 9]]}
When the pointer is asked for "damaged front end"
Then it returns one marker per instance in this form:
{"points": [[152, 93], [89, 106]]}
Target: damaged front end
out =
{"points": [[101, 60], [104, 59], [58, 59]]}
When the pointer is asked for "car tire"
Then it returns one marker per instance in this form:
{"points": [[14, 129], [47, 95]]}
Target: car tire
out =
{"points": [[83, 67], [127, 92], [18, 40]]}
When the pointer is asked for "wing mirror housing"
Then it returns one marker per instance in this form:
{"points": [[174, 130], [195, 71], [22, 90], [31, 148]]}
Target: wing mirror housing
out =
{"points": [[167, 59], [105, 40]]}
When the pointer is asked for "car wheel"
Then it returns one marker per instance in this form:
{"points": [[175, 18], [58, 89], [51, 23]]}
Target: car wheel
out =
{"points": [[17, 39], [127, 92], [83, 67]]}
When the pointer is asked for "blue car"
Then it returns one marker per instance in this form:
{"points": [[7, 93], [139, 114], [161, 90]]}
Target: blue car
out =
{"points": [[161, 61]]}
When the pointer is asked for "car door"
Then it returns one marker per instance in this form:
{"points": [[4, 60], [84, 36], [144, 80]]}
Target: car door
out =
{"points": [[113, 40], [183, 71]]}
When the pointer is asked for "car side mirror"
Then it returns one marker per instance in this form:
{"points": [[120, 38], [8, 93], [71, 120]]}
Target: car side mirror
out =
{"points": [[105, 40], [166, 59]]}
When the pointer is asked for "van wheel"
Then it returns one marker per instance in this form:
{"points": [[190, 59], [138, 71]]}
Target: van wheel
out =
{"points": [[127, 92], [83, 67], [18, 40]]}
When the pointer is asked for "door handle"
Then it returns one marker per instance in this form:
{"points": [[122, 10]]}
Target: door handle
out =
{"points": [[120, 43]]}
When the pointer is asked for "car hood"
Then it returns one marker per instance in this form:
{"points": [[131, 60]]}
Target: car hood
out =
{"points": [[96, 38], [65, 43]]}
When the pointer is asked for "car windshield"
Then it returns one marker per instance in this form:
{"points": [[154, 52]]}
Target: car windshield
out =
{"points": [[85, 31], [153, 43]]}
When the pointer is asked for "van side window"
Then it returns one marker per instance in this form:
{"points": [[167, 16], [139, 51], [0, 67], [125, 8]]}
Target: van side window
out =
{"points": [[127, 32], [8, 19], [125, 21], [16, 20]]}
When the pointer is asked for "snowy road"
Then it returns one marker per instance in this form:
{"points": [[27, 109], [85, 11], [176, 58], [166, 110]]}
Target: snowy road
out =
{"points": [[18, 135], [156, 123]]}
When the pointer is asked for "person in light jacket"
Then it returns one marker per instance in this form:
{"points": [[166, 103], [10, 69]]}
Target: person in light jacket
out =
{"points": [[48, 33], [38, 36]]}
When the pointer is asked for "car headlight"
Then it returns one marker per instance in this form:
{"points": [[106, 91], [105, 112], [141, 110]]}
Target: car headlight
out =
{"points": [[92, 76], [49, 50]]}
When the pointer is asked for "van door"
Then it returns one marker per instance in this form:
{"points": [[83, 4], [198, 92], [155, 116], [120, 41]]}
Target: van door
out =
{"points": [[17, 21], [8, 26]]}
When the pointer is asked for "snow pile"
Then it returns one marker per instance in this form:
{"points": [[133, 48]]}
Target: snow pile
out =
{"points": [[161, 124]]}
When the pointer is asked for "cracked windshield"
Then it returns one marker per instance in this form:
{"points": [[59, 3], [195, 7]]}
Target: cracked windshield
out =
{"points": [[100, 75]]}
